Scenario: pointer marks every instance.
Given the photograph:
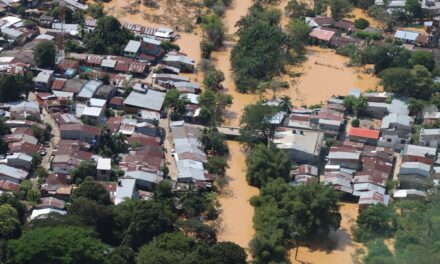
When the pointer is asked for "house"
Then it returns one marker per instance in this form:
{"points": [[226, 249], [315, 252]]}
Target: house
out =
{"points": [[303, 146], [377, 110], [410, 194], [74, 85], [89, 134], [407, 37], [24, 109], [7, 186], [191, 171], [186, 143], [184, 63], [340, 181], [44, 79], [149, 116], [431, 118], [151, 47], [126, 189], [144, 180], [164, 33], [305, 174], [104, 169], [419, 151], [93, 114], [46, 21], [51, 202], [372, 198], [14, 35], [12, 174], [363, 135], [345, 159], [345, 26], [132, 49], [20, 160], [396, 131], [415, 175], [429, 137], [88, 90], [43, 213], [151, 100], [105, 92], [108, 64], [322, 36]]}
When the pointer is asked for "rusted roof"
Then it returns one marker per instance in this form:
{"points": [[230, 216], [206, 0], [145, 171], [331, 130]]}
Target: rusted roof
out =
{"points": [[363, 133]]}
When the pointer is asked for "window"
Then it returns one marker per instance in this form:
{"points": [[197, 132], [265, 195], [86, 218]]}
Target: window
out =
{"points": [[388, 139]]}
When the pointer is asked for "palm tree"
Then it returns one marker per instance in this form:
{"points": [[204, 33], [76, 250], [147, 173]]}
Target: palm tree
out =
{"points": [[286, 103]]}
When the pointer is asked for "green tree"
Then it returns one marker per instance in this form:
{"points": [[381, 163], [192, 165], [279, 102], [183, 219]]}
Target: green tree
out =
{"points": [[168, 46], [66, 244], [206, 48], [177, 101], [298, 33], [355, 105], [361, 23], [11, 88], [397, 80], [259, 55], [86, 168], [228, 252], [97, 216], [365, 4], [213, 79], [44, 54], [414, 9], [214, 141], [339, 8], [213, 29], [122, 255], [138, 222], [265, 163], [375, 221], [109, 37], [424, 58], [9, 223], [355, 122], [92, 190], [216, 165], [255, 123], [14, 201], [297, 9], [96, 10]]}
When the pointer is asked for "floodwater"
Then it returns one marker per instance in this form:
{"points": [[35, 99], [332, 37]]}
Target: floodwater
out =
{"points": [[359, 13], [324, 74], [237, 212], [338, 248]]}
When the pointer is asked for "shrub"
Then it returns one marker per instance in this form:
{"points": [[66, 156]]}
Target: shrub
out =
{"points": [[361, 23], [355, 122]]}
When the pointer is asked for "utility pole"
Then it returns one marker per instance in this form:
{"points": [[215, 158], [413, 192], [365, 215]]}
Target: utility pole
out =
{"points": [[60, 37]]}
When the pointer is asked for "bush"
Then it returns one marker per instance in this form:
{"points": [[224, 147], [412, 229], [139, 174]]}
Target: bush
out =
{"points": [[368, 35], [206, 48], [355, 122], [361, 23]]}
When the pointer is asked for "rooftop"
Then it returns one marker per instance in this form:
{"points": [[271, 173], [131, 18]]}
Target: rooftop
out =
{"points": [[152, 100], [304, 140], [363, 133]]}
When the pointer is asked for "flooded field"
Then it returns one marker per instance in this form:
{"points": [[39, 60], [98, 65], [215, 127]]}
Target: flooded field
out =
{"points": [[338, 249], [324, 74], [359, 13], [237, 213]]}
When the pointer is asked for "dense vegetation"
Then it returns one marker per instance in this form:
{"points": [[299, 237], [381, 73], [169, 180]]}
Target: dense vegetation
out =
{"points": [[165, 229]]}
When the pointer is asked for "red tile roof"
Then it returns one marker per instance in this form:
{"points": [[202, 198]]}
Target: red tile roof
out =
{"points": [[321, 34], [363, 133], [81, 127], [9, 186]]}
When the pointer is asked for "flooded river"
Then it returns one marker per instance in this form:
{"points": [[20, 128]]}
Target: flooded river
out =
{"points": [[237, 212]]}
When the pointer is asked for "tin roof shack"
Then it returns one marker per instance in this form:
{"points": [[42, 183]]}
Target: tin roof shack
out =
{"points": [[89, 134], [347, 159], [44, 79], [304, 174], [24, 109], [415, 175], [328, 121], [12, 174], [103, 169], [20, 160], [144, 180], [151, 100], [322, 36], [405, 36], [372, 198], [132, 49], [89, 90], [377, 110], [410, 194], [74, 85], [151, 47], [413, 152], [431, 118], [341, 181], [126, 189], [184, 63], [363, 135], [396, 131], [303, 146], [429, 137]]}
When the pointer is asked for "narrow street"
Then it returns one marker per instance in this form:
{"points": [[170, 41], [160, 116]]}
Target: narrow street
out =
{"points": [[47, 118]]}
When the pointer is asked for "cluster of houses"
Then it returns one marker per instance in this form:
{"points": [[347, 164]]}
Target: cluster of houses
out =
{"points": [[326, 31], [86, 96], [362, 162]]}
